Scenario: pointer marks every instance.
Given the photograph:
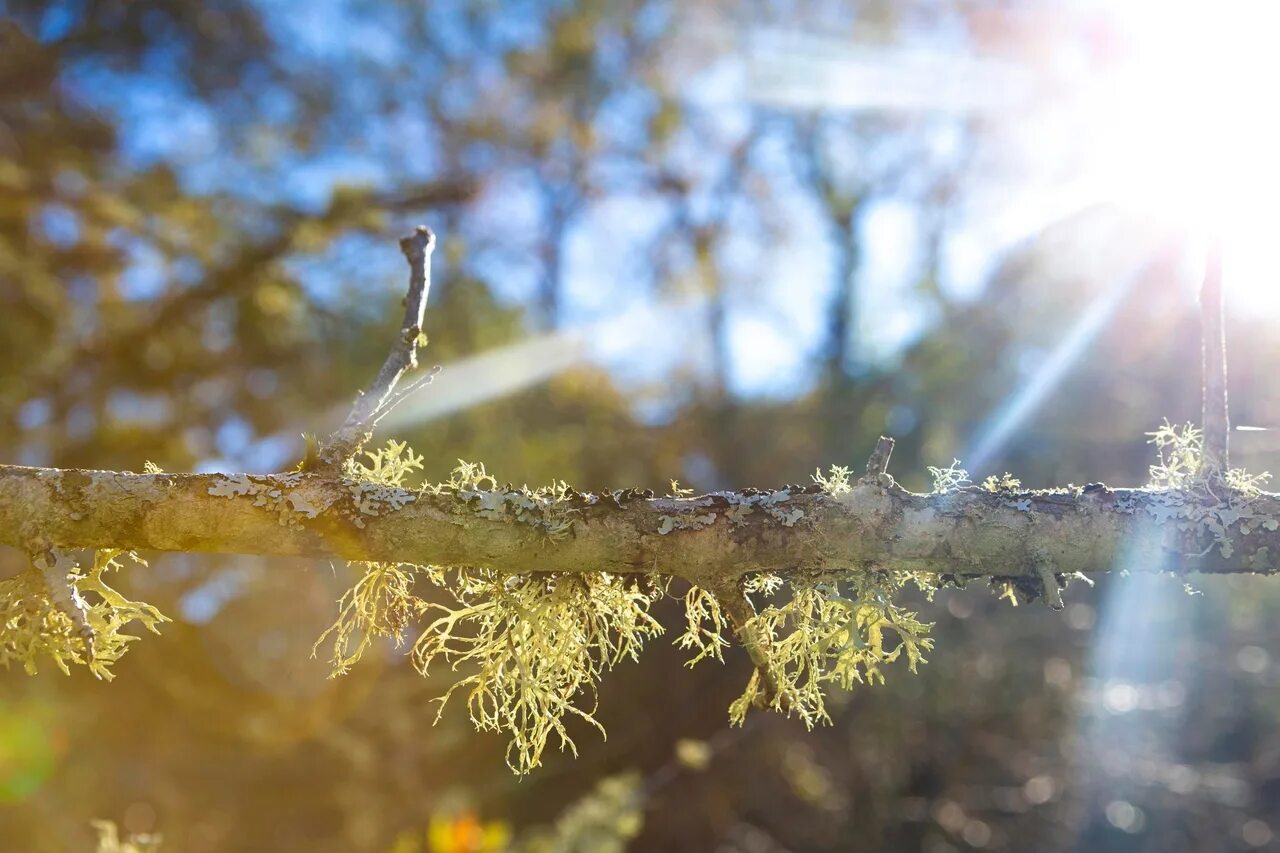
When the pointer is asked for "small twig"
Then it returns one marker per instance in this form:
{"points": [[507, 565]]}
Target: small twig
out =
{"points": [[734, 602], [878, 464], [407, 391], [1050, 590], [56, 565], [1215, 414], [379, 398]]}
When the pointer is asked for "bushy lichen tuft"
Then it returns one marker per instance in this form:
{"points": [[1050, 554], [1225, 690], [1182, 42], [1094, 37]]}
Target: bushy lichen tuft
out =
{"points": [[704, 626], [836, 482], [825, 635], [535, 647], [387, 466], [531, 649], [381, 605], [1180, 463], [948, 479], [32, 626], [836, 630], [1005, 483]]}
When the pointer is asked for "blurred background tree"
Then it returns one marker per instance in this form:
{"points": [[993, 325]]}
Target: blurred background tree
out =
{"points": [[673, 245]]}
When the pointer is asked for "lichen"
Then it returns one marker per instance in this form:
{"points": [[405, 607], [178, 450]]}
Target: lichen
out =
{"points": [[552, 508], [381, 605], [538, 645], [840, 629], [704, 626], [696, 514], [689, 521], [1200, 501], [948, 479], [33, 627], [772, 503], [276, 493], [375, 499], [837, 482], [997, 485]]}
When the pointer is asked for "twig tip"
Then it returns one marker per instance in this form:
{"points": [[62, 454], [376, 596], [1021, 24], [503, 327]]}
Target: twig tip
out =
{"points": [[423, 239]]}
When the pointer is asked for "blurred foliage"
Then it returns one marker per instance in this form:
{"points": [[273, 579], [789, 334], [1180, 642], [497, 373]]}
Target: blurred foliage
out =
{"points": [[184, 280], [109, 840], [604, 820]]}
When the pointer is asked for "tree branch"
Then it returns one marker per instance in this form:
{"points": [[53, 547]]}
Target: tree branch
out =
{"points": [[379, 398], [1215, 411], [710, 540]]}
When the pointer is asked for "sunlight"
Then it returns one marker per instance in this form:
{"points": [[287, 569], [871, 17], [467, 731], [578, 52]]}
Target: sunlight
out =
{"points": [[1164, 109], [523, 364], [1183, 129]]}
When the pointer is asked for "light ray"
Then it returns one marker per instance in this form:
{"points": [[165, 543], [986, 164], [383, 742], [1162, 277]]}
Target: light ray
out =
{"points": [[1131, 701], [509, 369], [500, 372], [1021, 405]]}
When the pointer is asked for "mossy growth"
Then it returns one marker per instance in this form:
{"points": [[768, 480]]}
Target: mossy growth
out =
{"points": [[531, 649], [837, 630], [948, 479], [1180, 464], [33, 626]]}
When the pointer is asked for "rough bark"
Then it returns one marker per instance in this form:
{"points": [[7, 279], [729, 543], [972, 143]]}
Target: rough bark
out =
{"points": [[709, 540]]}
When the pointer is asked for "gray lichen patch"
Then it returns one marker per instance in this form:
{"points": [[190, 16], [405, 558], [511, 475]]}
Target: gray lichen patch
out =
{"points": [[772, 504], [669, 523], [552, 509], [286, 495], [1198, 516], [736, 507], [376, 499]]}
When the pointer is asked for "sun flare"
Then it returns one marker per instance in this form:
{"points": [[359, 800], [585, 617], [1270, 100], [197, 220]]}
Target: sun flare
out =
{"points": [[1183, 128]]}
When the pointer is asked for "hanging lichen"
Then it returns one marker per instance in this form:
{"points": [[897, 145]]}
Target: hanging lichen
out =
{"points": [[533, 648], [33, 627], [824, 635]]}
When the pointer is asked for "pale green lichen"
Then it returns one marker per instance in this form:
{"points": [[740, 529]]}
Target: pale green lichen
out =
{"points": [[387, 465], [1005, 483], [695, 515], [948, 479], [551, 508], [536, 647], [838, 630], [837, 482], [1180, 463], [704, 626], [376, 499], [772, 504], [33, 627], [381, 605], [376, 482], [1199, 500], [532, 648]]}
